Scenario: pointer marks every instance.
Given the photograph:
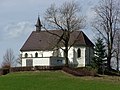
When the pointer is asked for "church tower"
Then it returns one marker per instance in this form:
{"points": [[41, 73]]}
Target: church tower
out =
{"points": [[38, 25]]}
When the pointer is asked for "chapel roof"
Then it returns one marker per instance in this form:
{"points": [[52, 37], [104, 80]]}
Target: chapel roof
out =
{"points": [[44, 40]]}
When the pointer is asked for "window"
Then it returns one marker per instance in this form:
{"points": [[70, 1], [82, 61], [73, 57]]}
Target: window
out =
{"points": [[78, 53], [29, 62], [36, 54], [26, 55], [59, 61]]}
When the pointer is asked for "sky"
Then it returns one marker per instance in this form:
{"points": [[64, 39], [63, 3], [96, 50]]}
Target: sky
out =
{"points": [[18, 19]]}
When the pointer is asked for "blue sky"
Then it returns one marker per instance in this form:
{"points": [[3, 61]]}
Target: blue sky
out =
{"points": [[18, 17]]}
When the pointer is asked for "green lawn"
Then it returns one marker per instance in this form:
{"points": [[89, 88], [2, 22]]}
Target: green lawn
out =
{"points": [[56, 80]]}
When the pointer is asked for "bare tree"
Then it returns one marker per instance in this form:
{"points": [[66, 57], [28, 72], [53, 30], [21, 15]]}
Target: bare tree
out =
{"points": [[19, 60], [67, 19], [117, 49], [107, 23], [8, 59]]}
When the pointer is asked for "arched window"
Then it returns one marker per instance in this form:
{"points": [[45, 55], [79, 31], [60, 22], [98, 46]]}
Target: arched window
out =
{"points": [[26, 55], [36, 54], [78, 53]]}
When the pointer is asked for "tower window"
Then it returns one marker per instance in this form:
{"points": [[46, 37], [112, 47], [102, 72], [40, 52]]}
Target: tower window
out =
{"points": [[36, 54], [26, 55], [78, 53]]}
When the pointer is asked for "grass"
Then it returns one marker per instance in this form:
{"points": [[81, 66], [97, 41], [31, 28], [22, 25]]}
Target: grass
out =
{"points": [[56, 80]]}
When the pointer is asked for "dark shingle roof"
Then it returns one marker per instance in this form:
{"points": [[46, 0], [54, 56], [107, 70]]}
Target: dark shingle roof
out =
{"points": [[43, 40]]}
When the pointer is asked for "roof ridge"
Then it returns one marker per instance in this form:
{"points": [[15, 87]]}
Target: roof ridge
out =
{"points": [[27, 40], [86, 39], [82, 33]]}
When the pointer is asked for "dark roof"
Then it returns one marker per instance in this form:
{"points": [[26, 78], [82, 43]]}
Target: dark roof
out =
{"points": [[43, 40]]}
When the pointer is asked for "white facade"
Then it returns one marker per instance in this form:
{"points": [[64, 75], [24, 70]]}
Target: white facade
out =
{"points": [[47, 58], [78, 56]]}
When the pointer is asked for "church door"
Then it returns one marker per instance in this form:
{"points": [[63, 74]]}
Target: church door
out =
{"points": [[29, 62]]}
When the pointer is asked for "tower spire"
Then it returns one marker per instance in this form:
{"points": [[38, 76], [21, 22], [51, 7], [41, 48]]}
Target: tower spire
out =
{"points": [[38, 25]]}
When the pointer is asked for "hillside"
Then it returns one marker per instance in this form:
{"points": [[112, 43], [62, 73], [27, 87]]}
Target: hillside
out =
{"points": [[56, 80]]}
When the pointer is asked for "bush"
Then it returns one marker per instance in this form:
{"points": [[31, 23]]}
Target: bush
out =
{"points": [[80, 71], [6, 66], [48, 67], [17, 69], [4, 71], [112, 72]]}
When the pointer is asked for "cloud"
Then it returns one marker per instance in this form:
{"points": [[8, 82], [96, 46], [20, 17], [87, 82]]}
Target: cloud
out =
{"points": [[16, 30]]}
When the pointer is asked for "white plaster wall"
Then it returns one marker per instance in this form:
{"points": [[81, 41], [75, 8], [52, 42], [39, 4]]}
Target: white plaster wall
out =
{"points": [[72, 55], [37, 61], [41, 62], [23, 62], [47, 53], [40, 53], [81, 60], [61, 52]]}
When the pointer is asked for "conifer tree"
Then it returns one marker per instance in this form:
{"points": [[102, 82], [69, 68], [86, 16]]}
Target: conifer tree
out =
{"points": [[99, 55]]}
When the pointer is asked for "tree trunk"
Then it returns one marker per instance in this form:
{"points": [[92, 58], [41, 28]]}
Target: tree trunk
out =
{"points": [[66, 54], [117, 64], [66, 58], [109, 62], [109, 56]]}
